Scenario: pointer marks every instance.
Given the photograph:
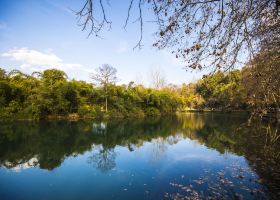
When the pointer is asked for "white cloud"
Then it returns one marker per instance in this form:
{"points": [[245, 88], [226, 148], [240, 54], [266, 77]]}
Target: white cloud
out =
{"points": [[33, 57], [36, 60]]}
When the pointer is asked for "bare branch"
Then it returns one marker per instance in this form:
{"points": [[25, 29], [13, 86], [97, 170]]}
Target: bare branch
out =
{"points": [[128, 14], [86, 18], [140, 19]]}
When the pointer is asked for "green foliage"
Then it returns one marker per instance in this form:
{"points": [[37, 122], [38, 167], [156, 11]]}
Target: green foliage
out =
{"points": [[190, 98], [50, 95], [153, 112], [222, 91], [51, 76]]}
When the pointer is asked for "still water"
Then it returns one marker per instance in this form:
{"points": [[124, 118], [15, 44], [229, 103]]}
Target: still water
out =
{"points": [[190, 156]]}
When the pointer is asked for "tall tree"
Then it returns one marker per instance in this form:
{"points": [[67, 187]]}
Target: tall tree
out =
{"points": [[262, 83], [51, 76], [158, 79], [105, 76]]}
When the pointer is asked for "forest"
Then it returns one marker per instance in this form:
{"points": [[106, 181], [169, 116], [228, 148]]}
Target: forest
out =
{"points": [[52, 95]]}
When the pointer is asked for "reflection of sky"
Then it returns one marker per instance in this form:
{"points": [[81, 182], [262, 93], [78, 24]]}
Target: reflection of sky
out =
{"points": [[145, 172], [185, 152], [170, 150]]}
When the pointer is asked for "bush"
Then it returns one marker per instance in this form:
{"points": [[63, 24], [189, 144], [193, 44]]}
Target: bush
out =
{"points": [[153, 112], [87, 111]]}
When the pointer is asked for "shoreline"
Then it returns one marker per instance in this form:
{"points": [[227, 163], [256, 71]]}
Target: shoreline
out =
{"points": [[75, 117]]}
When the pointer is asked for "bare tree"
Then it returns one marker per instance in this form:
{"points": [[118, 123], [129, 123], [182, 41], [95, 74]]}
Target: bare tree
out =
{"points": [[104, 76], [157, 76], [204, 33], [138, 79]]}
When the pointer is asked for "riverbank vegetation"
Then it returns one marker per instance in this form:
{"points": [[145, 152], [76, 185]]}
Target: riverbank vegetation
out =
{"points": [[51, 94]]}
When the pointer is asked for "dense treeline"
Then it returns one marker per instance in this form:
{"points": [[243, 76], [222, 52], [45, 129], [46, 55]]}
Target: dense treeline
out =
{"points": [[256, 87], [218, 91], [51, 94]]}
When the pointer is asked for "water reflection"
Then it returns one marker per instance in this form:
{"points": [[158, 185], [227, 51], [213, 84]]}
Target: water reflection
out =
{"points": [[103, 158], [47, 144]]}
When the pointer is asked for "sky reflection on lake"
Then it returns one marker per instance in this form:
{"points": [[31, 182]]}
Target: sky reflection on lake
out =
{"points": [[180, 157]]}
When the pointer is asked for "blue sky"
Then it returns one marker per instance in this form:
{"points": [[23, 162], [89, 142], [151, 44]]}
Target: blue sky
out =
{"points": [[40, 34]]}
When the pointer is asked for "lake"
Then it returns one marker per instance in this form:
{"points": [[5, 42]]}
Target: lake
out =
{"points": [[188, 156]]}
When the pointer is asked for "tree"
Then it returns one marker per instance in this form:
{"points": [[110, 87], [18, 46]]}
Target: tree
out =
{"points": [[208, 33], [105, 76], [51, 76], [3, 74], [216, 33], [157, 78], [261, 81], [222, 90], [5, 89]]}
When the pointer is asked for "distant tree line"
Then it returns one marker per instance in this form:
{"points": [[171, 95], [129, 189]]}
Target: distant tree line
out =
{"points": [[51, 94], [256, 87]]}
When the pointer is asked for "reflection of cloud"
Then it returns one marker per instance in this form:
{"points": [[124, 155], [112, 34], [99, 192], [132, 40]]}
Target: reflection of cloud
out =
{"points": [[193, 156], [36, 60], [160, 145], [26, 165]]}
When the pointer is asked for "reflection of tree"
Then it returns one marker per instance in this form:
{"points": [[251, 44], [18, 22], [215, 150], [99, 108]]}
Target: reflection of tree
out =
{"points": [[103, 159], [99, 128], [258, 143], [261, 149], [159, 146], [51, 142]]}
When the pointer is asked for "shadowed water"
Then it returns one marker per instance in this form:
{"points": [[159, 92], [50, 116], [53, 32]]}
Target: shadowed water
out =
{"points": [[187, 156]]}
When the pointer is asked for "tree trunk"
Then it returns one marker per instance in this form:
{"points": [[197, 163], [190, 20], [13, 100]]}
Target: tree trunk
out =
{"points": [[106, 104], [106, 101]]}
